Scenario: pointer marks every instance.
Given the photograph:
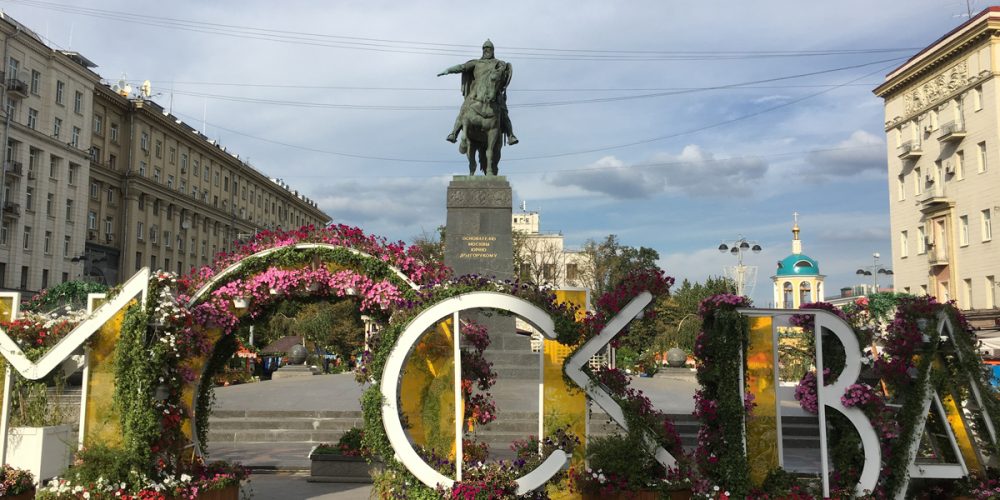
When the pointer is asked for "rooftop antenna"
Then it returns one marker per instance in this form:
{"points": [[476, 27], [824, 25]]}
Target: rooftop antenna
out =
{"points": [[122, 88], [524, 206]]}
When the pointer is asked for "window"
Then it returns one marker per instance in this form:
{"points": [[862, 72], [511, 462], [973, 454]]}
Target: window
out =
{"points": [[54, 166], [66, 246], [183, 186], [977, 98], [960, 165], [69, 210], [967, 293], [991, 292], [156, 207], [152, 262], [78, 102], [142, 202], [572, 272], [32, 118], [36, 81], [112, 161], [73, 169], [138, 260], [56, 127], [50, 200], [95, 190], [27, 238], [981, 157], [45, 278], [166, 263], [918, 185], [153, 233], [24, 277], [74, 138], [170, 181], [139, 231], [47, 243], [166, 239], [98, 124], [987, 226], [91, 220], [156, 174], [173, 155], [29, 198], [60, 88], [142, 168], [12, 65], [216, 178], [921, 241], [963, 230], [111, 195], [114, 132], [225, 184], [904, 249], [144, 141], [900, 188], [108, 226], [159, 149], [33, 155], [65, 277], [4, 234]]}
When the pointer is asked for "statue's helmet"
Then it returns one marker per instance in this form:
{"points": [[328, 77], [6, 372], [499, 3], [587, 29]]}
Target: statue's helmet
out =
{"points": [[488, 44]]}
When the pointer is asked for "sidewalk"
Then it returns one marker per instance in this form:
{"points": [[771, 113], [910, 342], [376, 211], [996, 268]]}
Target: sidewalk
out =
{"points": [[293, 486]]}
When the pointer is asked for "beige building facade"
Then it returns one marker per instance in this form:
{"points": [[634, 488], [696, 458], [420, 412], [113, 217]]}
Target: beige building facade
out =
{"points": [[542, 257], [48, 97], [942, 123], [163, 195]]}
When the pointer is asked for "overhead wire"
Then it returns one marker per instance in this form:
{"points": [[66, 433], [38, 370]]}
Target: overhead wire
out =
{"points": [[433, 48]]}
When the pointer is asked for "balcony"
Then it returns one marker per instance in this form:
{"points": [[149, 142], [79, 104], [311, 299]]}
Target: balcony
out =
{"points": [[910, 150], [13, 168], [937, 256], [17, 88], [934, 197], [952, 132], [11, 209]]}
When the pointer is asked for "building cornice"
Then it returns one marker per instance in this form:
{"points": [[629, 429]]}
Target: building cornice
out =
{"points": [[936, 55]]}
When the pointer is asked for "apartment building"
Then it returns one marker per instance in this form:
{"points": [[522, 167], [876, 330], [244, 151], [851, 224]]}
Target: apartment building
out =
{"points": [[942, 123], [163, 195], [47, 96], [542, 257]]}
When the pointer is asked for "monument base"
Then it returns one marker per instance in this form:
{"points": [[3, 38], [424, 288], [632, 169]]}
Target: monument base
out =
{"points": [[292, 371]]}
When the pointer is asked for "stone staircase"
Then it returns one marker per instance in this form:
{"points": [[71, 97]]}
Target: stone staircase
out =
{"points": [[233, 427], [268, 426]]}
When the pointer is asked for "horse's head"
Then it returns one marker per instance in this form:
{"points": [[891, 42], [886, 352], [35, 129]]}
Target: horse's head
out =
{"points": [[493, 83]]}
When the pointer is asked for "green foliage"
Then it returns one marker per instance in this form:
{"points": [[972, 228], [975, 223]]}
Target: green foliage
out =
{"points": [[616, 456], [335, 326], [224, 350], [69, 293], [676, 322], [29, 403], [609, 262], [115, 467], [135, 371], [430, 247]]}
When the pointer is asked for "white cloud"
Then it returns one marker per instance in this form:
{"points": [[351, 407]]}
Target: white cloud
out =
{"points": [[693, 172], [859, 153]]}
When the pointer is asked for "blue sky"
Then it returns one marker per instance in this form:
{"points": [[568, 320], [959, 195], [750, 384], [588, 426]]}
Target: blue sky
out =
{"points": [[675, 125]]}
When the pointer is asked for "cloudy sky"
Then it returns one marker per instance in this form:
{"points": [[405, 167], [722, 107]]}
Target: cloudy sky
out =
{"points": [[675, 125]]}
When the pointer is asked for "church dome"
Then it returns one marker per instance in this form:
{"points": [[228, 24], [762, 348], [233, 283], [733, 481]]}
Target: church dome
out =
{"points": [[798, 264]]}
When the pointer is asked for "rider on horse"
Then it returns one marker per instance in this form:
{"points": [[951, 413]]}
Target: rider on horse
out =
{"points": [[474, 73]]}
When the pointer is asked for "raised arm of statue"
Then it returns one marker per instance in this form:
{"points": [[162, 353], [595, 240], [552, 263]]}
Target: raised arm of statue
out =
{"points": [[458, 68]]}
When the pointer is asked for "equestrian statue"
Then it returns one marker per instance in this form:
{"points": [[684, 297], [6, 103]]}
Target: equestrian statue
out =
{"points": [[483, 118]]}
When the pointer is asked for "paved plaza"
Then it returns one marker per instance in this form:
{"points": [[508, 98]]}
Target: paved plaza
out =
{"points": [[282, 468]]}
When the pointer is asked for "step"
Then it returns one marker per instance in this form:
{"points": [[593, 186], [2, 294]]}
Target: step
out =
{"points": [[285, 424], [273, 436]]}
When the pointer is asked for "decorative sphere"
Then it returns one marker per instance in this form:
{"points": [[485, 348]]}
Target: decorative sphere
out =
{"points": [[676, 357], [297, 355]]}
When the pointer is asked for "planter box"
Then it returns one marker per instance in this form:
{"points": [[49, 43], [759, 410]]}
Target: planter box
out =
{"points": [[231, 492], [330, 468], [625, 495], [27, 495], [45, 451]]}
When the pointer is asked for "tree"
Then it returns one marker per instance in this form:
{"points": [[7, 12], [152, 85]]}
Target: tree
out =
{"points": [[681, 322], [538, 259], [608, 262], [431, 246]]}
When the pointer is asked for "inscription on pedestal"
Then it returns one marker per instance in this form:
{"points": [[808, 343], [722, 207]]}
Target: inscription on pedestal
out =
{"points": [[478, 236]]}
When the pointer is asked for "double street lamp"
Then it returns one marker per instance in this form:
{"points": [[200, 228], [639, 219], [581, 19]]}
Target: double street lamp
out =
{"points": [[738, 248], [874, 270]]}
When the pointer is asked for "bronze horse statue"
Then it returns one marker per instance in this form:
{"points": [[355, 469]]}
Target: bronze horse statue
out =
{"points": [[482, 119]]}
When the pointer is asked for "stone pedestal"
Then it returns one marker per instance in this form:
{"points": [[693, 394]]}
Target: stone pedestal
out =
{"points": [[291, 371], [478, 236]]}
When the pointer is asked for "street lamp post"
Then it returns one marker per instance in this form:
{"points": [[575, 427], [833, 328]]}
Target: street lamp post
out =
{"points": [[874, 270], [738, 248]]}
